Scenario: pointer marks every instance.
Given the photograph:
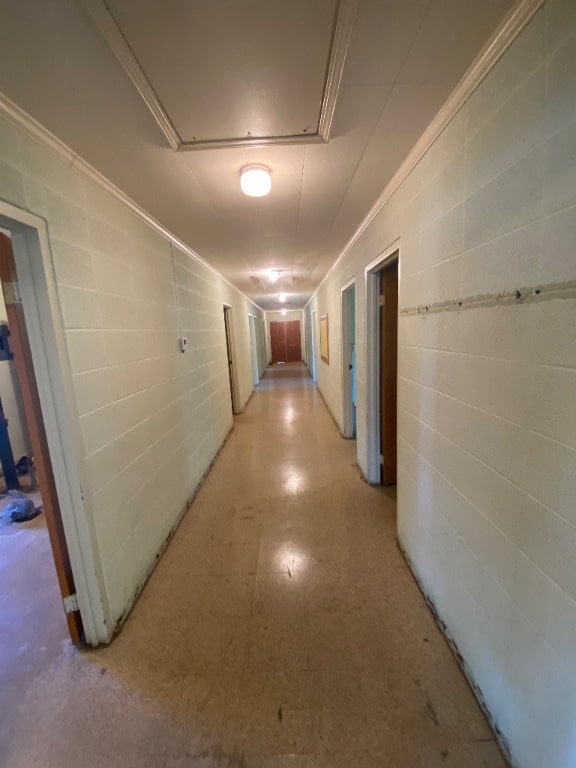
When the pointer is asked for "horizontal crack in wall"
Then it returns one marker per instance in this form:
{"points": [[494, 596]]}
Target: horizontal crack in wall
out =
{"points": [[528, 295]]}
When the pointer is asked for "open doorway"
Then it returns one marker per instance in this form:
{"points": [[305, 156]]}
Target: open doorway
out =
{"points": [[31, 527], [388, 372], [382, 350], [35, 294], [313, 343], [349, 359], [253, 349], [228, 327]]}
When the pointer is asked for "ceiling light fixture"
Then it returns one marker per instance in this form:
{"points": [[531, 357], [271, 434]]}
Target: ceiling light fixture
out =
{"points": [[281, 298], [255, 180], [283, 311], [274, 274]]}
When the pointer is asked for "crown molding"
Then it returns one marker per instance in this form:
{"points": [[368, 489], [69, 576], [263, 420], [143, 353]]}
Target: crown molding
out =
{"points": [[342, 31], [105, 22], [26, 123], [21, 119], [509, 29]]}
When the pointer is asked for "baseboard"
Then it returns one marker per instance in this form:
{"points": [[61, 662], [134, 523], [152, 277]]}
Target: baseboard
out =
{"points": [[138, 591], [340, 432], [461, 661]]}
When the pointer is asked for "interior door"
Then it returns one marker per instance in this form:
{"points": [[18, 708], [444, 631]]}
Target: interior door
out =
{"points": [[293, 341], [388, 371], [278, 342], [35, 423]]}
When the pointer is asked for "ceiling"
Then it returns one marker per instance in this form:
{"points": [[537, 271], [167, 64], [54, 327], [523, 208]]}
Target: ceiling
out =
{"points": [[138, 88]]}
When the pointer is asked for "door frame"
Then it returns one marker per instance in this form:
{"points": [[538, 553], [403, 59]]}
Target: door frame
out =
{"points": [[307, 344], [32, 256], [372, 292], [253, 348], [34, 421], [313, 342], [345, 317]]}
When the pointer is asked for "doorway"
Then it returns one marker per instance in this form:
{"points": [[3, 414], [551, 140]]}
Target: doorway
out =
{"points": [[313, 342], [254, 349], [230, 355], [285, 341], [41, 466], [348, 314], [388, 372], [382, 364], [308, 342]]}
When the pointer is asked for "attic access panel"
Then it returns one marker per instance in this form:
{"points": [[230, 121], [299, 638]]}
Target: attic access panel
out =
{"points": [[218, 73]]}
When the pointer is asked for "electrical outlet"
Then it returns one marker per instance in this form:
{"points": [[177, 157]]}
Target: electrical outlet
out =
{"points": [[183, 343]]}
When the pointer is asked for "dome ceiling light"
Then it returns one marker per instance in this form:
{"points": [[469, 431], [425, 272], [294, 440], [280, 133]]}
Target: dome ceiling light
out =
{"points": [[255, 180]]}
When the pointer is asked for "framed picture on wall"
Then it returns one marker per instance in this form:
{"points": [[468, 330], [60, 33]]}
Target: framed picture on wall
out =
{"points": [[324, 348]]}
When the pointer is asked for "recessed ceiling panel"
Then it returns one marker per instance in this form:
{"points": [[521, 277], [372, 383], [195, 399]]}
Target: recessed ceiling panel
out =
{"points": [[226, 70]]}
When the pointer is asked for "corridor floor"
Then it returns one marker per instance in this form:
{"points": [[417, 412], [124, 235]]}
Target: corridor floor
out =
{"points": [[281, 628]]}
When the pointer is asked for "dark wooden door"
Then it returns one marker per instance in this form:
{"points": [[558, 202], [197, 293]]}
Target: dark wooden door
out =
{"points": [[293, 342], [278, 342], [35, 423], [285, 341], [388, 371]]}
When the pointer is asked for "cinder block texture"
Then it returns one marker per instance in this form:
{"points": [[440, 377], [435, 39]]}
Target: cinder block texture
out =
{"points": [[151, 418], [487, 391]]}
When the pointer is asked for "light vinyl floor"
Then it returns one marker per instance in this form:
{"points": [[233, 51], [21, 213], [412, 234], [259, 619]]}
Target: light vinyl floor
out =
{"points": [[281, 628]]}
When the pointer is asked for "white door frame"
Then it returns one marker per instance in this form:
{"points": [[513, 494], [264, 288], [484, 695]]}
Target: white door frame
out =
{"points": [[308, 340], [372, 292], [313, 340], [60, 414], [345, 317], [254, 349]]}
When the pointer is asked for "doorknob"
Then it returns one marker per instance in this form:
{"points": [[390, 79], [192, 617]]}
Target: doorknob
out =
{"points": [[349, 366]]}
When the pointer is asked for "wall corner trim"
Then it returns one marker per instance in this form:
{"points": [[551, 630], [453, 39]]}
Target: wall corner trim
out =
{"points": [[508, 30], [29, 125]]}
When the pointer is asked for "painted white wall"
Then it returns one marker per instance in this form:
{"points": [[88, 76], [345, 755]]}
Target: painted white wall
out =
{"points": [[12, 401], [487, 415], [329, 374], [152, 419], [278, 317]]}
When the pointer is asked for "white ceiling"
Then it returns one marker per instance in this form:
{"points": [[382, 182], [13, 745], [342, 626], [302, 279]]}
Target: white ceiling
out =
{"points": [[241, 97], [221, 68]]}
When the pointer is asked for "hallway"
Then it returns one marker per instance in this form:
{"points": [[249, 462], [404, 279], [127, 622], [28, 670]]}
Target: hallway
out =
{"points": [[282, 627]]}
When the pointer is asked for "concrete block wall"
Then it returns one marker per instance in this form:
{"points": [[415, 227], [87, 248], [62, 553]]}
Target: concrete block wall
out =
{"points": [[329, 375], [487, 390], [152, 419]]}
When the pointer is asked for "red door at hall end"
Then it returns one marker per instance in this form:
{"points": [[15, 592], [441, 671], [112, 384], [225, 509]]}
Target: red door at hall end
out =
{"points": [[285, 341]]}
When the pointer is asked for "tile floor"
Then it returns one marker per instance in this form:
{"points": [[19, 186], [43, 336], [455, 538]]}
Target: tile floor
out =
{"points": [[282, 627]]}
